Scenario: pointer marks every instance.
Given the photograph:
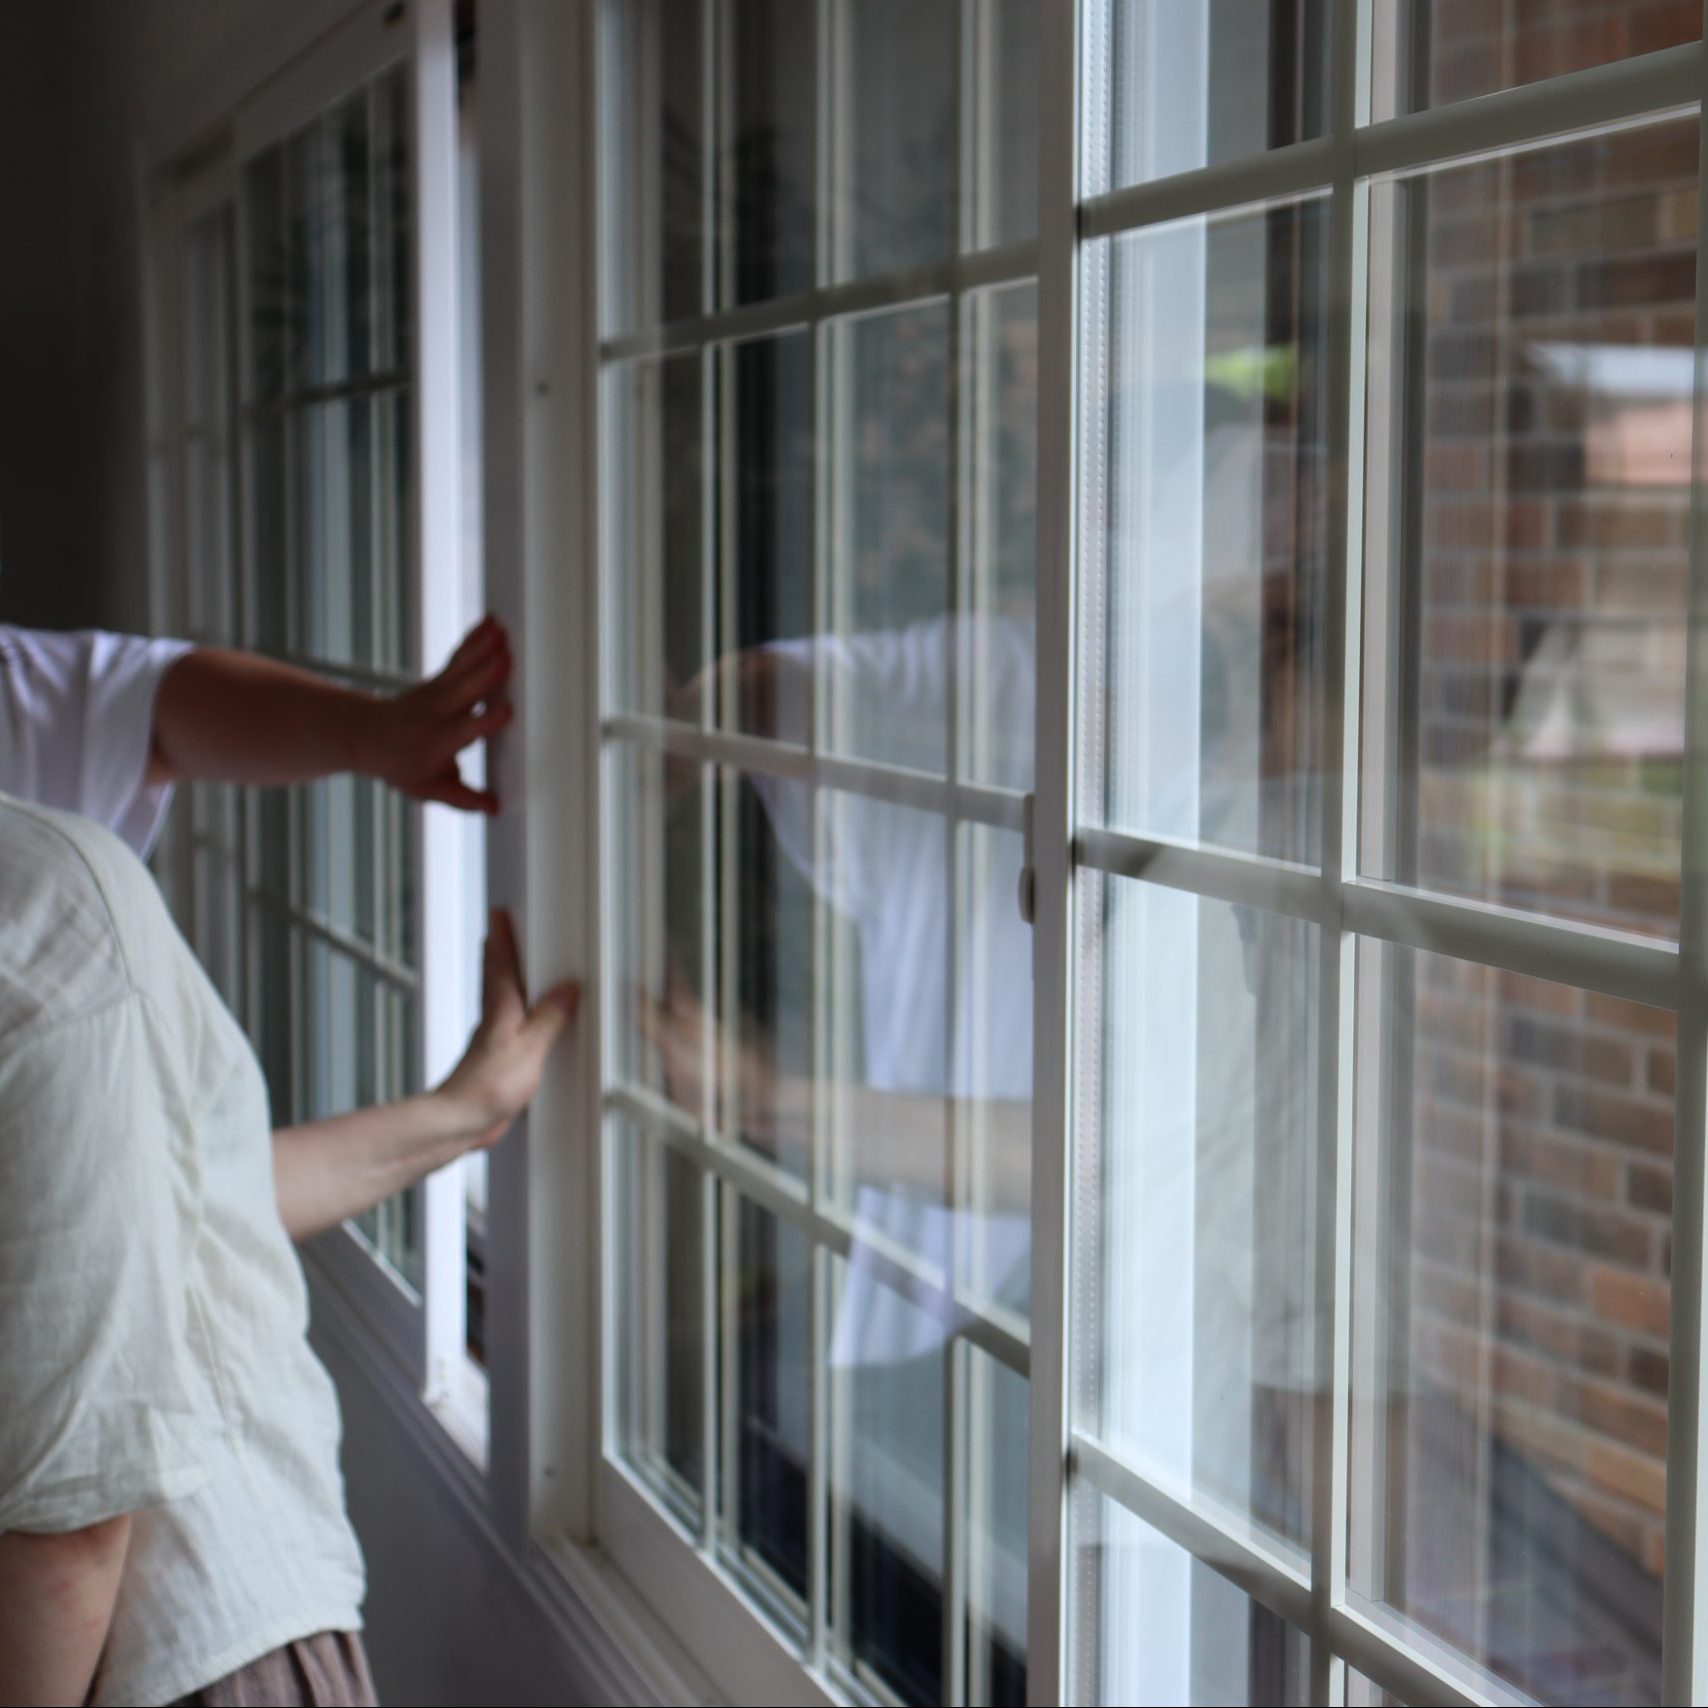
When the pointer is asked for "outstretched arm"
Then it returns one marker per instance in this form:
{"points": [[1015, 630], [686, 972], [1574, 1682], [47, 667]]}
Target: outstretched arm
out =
{"points": [[234, 717], [327, 1171]]}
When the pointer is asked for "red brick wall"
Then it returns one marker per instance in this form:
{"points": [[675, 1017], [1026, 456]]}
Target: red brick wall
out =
{"points": [[1550, 548]]}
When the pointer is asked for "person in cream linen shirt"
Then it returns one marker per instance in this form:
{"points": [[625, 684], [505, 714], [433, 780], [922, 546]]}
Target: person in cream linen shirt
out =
{"points": [[172, 1522]]}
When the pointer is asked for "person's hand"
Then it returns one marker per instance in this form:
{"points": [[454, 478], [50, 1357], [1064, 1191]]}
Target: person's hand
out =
{"points": [[753, 1098], [501, 1068], [413, 739]]}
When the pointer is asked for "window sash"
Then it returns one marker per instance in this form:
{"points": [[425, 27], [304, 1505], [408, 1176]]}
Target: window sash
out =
{"points": [[1336, 897], [1346, 906]]}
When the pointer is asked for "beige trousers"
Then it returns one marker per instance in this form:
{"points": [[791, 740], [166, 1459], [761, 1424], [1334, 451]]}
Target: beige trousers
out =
{"points": [[327, 1671]]}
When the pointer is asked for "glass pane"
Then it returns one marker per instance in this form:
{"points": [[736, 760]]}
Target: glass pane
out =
{"points": [[1513, 1203], [396, 860], [995, 1414], [1005, 149], [1195, 1254], [1205, 432], [888, 1482], [1431, 51], [998, 659], [767, 1381], [766, 994], [269, 274], [304, 308], [885, 673], [766, 589], [394, 488], [1169, 88], [350, 263], [883, 873], [332, 1029], [662, 993], [769, 195], [1155, 1625], [337, 853], [209, 585], [662, 1344], [390, 234], [656, 541], [990, 1072], [270, 531], [655, 189], [1532, 393], [897, 194]]}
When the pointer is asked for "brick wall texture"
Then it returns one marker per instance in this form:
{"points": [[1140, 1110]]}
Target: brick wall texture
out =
{"points": [[1547, 544]]}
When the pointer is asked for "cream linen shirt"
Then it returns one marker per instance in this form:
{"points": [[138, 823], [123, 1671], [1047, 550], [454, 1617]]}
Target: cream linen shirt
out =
{"points": [[153, 1317]]}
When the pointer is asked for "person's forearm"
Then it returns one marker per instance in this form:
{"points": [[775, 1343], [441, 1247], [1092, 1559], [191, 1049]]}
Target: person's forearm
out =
{"points": [[56, 1604], [896, 1137], [324, 1172], [231, 717]]}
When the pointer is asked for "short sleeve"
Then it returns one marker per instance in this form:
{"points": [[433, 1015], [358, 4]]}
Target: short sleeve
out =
{"points": [[106, 1407], [78, 725]]}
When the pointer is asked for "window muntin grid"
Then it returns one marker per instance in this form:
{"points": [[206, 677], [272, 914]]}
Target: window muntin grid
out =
{"points": [[1403, 1658], [1344, 904], [740, 511], [327, 423]]}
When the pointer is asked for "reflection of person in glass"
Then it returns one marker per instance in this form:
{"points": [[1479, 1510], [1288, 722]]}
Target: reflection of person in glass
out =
{"points": [[939, 1001]]}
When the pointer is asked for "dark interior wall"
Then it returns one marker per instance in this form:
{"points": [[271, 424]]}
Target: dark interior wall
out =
{"points": [[92, 93], [73, 541]]}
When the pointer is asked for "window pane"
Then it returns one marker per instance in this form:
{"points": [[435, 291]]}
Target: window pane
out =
{"points": [[1005, 147], [655, 191], [996, 665], [887, 1500], [328, 507], [270, 532], [661, 987], [1513, 1202], [824, 537], [1194, 1244], [766, 592], [656, 542], [769, 161], [1168, 88], [389, 239], [890, 540], [994, 1445], [1205, 423], [766, 999], [989, 1073], [1534, 385], [268, 263], [1431, 51], [662, 1342], [767, 1380], [1156, 1625], [898, 196]]}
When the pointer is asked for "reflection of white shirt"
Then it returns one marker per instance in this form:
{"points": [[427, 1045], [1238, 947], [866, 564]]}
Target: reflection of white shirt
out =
{"points": [[928, 1028], [77, 725]]}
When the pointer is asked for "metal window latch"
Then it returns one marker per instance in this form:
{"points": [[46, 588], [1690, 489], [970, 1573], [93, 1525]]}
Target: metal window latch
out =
{"points": [[1027, 895]]}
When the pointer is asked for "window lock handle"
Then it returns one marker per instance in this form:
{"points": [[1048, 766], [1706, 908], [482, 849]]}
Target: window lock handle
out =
{"points": [[1027, 894]]}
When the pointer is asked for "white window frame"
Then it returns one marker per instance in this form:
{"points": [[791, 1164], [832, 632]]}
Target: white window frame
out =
{"points": [[426, 1334], [677, 1577]]}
